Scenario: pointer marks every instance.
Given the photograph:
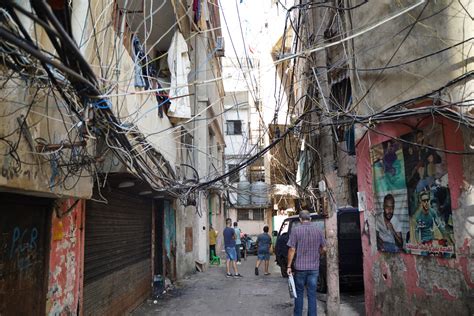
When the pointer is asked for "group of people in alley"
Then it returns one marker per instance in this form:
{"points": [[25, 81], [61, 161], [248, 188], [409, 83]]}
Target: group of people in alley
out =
{"points": [[306, 243], [232, 243]]}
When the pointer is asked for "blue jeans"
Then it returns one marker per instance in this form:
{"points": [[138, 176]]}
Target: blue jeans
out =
{"points": [[230, 252], [310, 280], [263, 255]]}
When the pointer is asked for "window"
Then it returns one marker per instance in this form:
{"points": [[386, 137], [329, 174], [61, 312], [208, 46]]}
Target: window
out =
{"points": [[235, 177], [186, 154], [250, 215], [258, 215], [284, 227], [234, 127], [341, 95], [243, 215]]}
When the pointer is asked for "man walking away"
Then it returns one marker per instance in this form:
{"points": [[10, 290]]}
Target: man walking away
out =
{"points": [[229, 244], [308, 242], [263, 250], [212, 241], [238, 241]]}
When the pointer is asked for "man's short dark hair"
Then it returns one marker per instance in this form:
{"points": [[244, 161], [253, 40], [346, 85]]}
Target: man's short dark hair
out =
{"points": [[424, 193], [228, 221], [388, 197], [235, 224], [304, 215], [265, 229]]}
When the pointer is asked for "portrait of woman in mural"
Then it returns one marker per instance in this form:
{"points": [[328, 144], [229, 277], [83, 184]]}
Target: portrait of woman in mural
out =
{"points": [[413, 204]]}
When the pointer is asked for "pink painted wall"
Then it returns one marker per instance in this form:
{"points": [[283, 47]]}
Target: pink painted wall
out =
{"points": [[410, 284], [66, 258]]}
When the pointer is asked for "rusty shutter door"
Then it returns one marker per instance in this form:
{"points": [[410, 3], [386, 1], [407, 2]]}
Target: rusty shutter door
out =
{"points": [[24, 235], [117, 254]]}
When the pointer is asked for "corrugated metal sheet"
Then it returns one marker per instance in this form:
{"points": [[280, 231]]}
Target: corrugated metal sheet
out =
{"points": [[24, 231], [117, 241]]}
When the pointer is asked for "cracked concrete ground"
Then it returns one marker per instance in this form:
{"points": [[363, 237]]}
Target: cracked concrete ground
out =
{"points": [[211, 293]]}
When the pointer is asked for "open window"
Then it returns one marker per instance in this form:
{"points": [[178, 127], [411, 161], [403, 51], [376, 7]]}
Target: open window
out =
{"points": [[234, 127], [235, 177]]}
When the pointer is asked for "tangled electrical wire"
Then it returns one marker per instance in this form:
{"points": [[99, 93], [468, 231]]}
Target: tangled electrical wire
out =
{"points": [[73, 85], [66, 78]]}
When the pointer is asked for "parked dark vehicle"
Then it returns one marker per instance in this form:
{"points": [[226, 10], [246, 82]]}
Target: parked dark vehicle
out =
{"points": [[350, 247], [251, 241]]}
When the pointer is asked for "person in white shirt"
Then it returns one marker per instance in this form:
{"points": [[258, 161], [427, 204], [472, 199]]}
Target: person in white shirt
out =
{"points": [[389, 235]]}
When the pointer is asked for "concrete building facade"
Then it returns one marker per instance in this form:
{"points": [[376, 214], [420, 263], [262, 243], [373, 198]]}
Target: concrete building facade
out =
{"points": [[437, 73], [389, 85], [253, 29], [110, 123]]}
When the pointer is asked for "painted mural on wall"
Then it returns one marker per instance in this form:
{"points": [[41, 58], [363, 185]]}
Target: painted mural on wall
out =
{"points": [[413, 206]]}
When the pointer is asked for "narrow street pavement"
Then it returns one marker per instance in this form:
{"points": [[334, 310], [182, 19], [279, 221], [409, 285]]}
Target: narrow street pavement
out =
{"points": [[211, 293]]}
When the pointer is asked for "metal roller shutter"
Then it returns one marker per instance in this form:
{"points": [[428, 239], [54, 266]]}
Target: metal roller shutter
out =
{"points": [[117, 254]]}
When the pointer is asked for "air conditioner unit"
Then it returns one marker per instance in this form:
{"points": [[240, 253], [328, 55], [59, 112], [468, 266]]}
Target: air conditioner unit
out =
{"points": [[220, 51]]}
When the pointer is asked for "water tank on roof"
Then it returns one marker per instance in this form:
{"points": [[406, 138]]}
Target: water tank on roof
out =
{"points": [[259, 191], [243, 193]]}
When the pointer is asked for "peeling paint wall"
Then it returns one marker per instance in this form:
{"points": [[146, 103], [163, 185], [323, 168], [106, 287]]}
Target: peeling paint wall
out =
{"points": [[184, 260], [66, 258], [416, 285]]}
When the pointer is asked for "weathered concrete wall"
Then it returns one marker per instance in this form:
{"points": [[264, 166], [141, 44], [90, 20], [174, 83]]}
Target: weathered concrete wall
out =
{"points": [[115, 64], [252, 227], [188, 217], [408, 284], [47, 120], [66, 258], [21, 167], [442, 24], [184, 259]]}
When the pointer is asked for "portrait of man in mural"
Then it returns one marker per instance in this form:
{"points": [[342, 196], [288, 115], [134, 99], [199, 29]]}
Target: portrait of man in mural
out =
{"points": [[425, 220], [429, 203], [389, 234], [390, 195]]}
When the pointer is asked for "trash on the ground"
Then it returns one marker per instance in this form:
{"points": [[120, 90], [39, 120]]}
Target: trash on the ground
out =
{"points": [[158, 285], [199, 266]]}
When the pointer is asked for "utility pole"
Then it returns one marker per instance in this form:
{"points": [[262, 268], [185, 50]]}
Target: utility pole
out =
{"points": [[201, 161], [332, 255], [329, 179]]}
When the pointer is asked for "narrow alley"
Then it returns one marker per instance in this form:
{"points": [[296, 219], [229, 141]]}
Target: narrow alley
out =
{"points": [[143, 141], [211, 293]]}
